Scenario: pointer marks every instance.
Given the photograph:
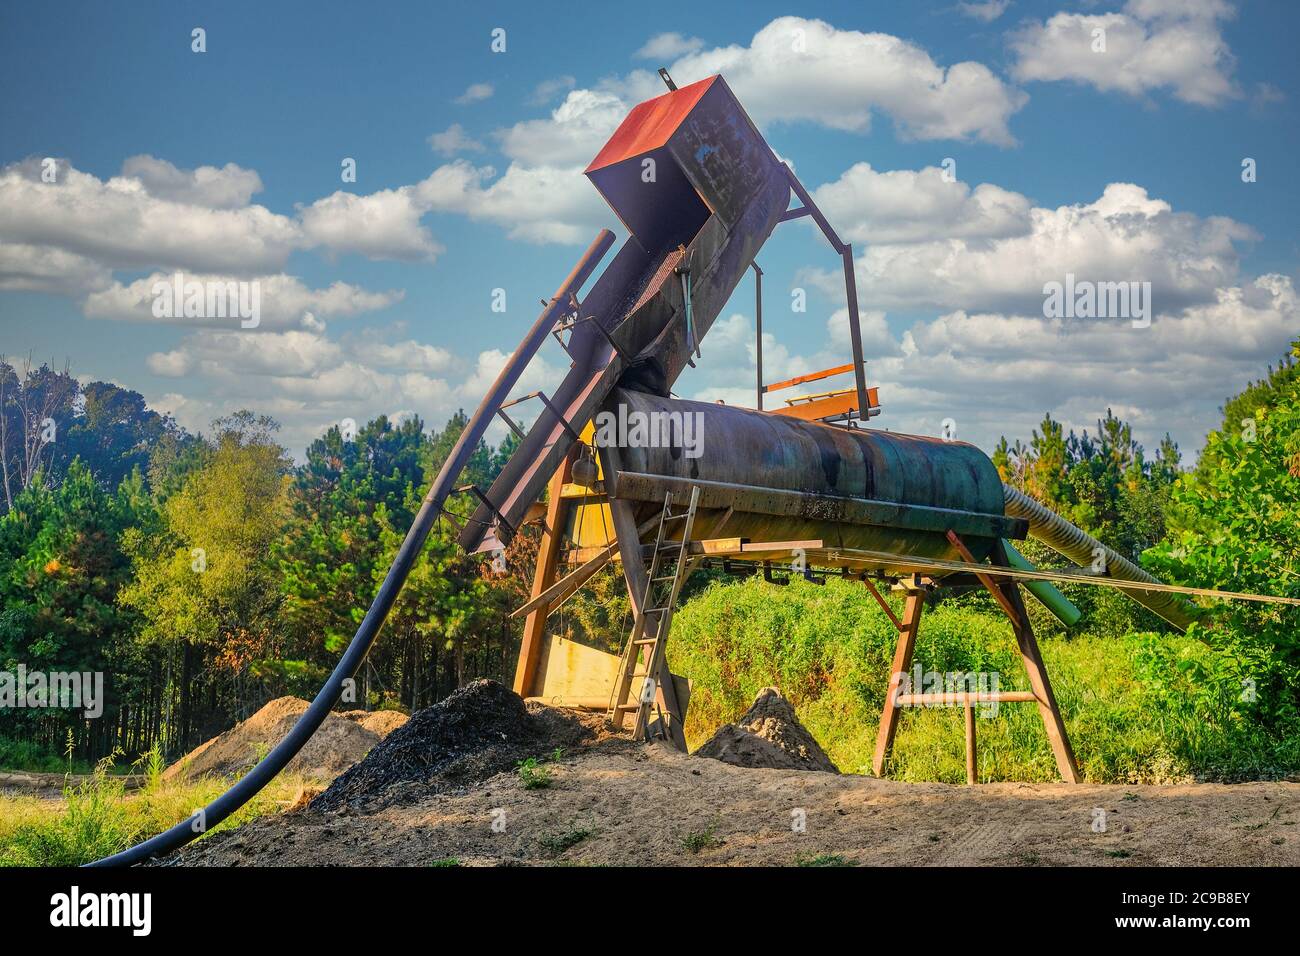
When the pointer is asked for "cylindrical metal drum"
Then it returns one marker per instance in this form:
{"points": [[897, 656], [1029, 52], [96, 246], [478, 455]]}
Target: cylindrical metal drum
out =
{"points": [[785, 479]]}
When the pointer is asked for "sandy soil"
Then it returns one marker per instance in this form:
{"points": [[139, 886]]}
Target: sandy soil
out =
{"points": [[343, 739], [615, 802]]}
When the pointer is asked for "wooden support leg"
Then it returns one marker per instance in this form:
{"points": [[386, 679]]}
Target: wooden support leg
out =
{"points": [[1007, 594], [1041, 685], [971, 760], [548, 555], [902, 662], [634, 573]]}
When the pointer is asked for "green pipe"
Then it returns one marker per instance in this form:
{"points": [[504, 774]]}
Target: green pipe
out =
{"points": [[1044, 591]]}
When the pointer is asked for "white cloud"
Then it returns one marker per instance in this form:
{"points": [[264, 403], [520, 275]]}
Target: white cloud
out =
{"points": [[666, 46], [228, 187], [302, 378], [309, 382], [1169, 377], [797, 70], [476, 93], [534, 203], [409, 355], [454, 140], [1154, 44], [27, 268], [380, 225], [987, 11], [284, 301], [118, 223], [1124, 235], [793, 70], [902, 206], [571, 136], [69, 236], [293, 352]]}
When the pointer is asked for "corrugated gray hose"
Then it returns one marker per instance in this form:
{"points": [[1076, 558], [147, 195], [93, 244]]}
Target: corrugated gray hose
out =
{"points": [[1080, 547]]}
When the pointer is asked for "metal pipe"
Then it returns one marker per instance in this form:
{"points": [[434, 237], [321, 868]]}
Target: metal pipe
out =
{"points": [[758, 324], [1045, 592], [270, 765], [1083, 549], [855, 334]]}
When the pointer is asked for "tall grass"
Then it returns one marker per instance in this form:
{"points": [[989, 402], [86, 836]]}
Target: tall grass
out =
{"points": [[1131, 714], [100, 816]]}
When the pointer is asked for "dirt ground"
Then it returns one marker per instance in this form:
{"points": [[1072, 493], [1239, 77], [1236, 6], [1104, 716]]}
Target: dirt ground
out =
{"points": [[610, 801], [343, 739], [49, 786]]}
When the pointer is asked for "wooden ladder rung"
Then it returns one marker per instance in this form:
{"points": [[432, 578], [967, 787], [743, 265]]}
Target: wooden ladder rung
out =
{"points": [[646, 640]]}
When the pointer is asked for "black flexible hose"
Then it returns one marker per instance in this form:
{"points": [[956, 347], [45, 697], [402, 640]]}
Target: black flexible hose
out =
{"points": [[275, 761]]}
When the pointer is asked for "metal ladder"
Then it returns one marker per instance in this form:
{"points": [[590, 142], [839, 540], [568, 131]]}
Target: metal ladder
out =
{"points": [[645, 648]]}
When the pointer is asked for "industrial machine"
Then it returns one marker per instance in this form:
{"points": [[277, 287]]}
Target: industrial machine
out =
{"points": [[639, 476]]}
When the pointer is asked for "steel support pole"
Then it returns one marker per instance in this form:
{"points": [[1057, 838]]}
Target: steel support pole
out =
{"points": [[855, 331], [758, 342]]}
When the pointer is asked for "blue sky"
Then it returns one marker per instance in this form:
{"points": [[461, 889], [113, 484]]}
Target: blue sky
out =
{"points": [[1115, 165]]}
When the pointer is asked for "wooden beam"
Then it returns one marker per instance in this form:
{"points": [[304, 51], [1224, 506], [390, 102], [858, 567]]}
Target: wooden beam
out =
{"points": [[1032, 658], [944, 699], [833, 406], [902, 663], [972, 770], [810, 377], [1007, 594], [548, 554], [568, 584], [884, 605], [562, 590]]}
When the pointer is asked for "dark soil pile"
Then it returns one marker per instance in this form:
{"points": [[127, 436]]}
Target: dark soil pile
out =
{"points": [[769, 735], [479, 731], [343, 739]]}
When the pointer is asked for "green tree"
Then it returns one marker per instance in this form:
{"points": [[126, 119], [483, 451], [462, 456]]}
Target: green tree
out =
{"points": [[113, 432], [204, 584], [1235, 525], [62, 564], [341, 500]]}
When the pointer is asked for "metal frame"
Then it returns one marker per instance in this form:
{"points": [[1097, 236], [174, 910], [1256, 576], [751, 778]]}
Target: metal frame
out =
{"points": [[845, 251]]}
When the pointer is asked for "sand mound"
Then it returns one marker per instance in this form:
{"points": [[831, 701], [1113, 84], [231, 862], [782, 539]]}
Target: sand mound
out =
{"points": [[343, 739], [768, 735], [477, 732]]}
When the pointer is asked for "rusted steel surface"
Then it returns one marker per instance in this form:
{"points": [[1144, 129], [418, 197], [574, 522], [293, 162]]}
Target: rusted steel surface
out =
{"points": [[717, 194], [788, 479]]}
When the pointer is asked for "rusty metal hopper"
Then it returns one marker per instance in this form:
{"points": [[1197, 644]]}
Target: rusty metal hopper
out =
{"points": [[700, 191], [679, 158]]}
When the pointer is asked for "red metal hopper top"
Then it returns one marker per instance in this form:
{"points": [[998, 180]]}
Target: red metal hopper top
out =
{"points": [[650, 124]]}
